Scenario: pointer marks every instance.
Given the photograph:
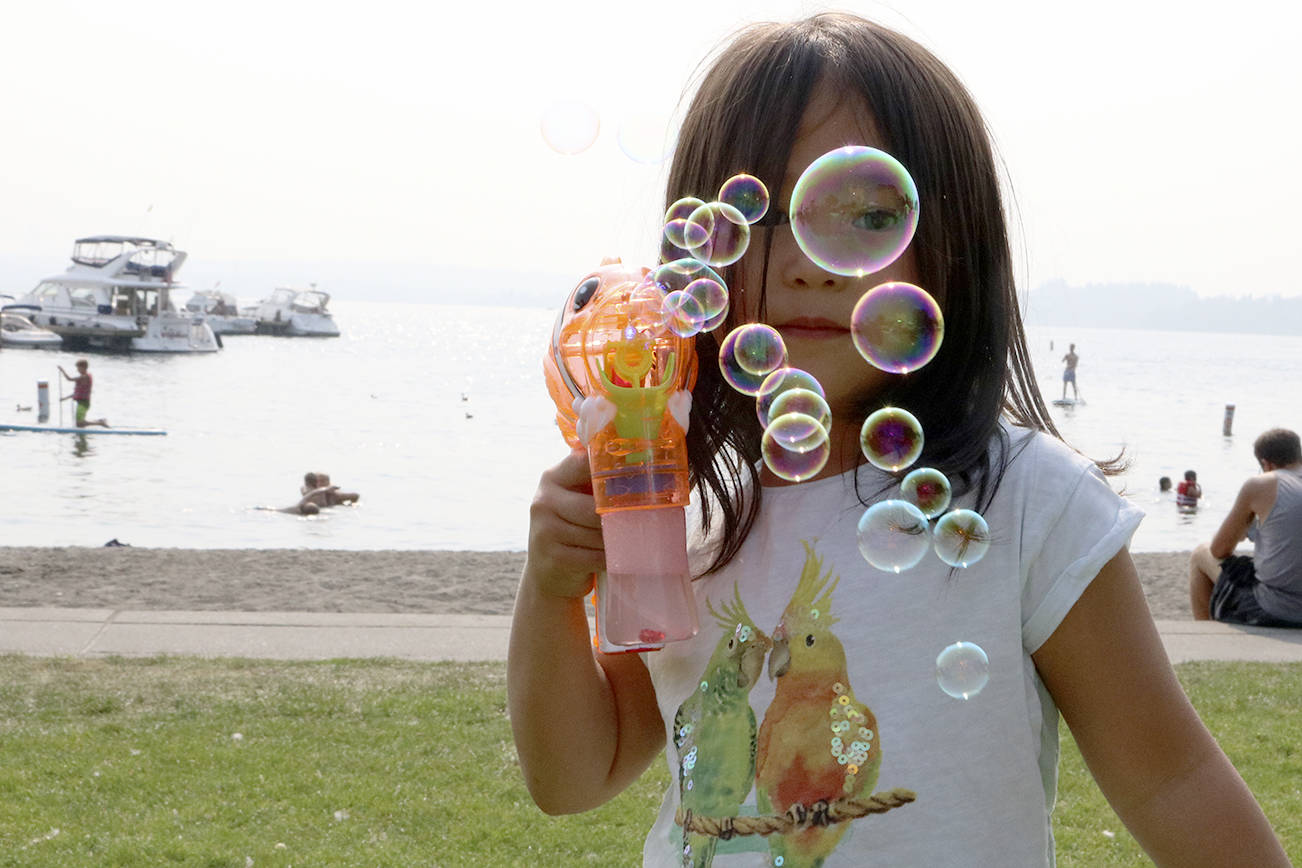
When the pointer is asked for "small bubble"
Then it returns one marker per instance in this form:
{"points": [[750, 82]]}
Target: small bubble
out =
{"points": [[927, 489], [748, 354], [891, 438], [779, 382], [893, 535], [569, 126], [961, 538], [962, 670], [747, 194]]}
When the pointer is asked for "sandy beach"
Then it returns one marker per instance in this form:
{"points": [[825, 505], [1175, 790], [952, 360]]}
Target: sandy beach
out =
{"points": [[302, 580]]}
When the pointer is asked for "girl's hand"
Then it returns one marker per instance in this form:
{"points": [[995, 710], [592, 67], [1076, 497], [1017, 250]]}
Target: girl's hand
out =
{"points": [[565, 545]]}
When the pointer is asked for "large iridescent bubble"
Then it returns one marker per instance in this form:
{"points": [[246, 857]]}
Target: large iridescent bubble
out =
{"points": [[928, 489], [961, 538], [748, 354], [962, 670], [854, 210], [891, 438], [747, 194], [897, 327], [893, 535], [569, 126]]}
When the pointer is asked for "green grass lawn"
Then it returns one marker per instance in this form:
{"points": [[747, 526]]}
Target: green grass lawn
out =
{"points": [[215, 763]]}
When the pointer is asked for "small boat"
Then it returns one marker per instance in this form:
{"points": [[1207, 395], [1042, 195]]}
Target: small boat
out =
{"points": [[17, 330], [221, 312], [296, 313], [116, 295]]}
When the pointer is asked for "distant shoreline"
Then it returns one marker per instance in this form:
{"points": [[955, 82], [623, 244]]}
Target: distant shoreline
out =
{"points": [[305, 580]]}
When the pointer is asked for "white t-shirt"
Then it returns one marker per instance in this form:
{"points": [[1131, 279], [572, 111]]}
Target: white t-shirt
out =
{"points": [[856, 677]]}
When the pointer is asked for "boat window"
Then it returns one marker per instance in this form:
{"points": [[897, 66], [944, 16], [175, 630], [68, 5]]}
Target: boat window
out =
{"points": [[83, 296], [47, 291]]}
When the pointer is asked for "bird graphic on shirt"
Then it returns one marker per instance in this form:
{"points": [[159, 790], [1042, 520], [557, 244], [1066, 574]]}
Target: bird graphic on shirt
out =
{"points": [[714, 729], [818, 743]]}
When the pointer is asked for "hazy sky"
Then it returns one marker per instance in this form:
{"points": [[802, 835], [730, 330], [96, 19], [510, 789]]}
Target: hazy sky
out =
{"points": [[1143, 144]]}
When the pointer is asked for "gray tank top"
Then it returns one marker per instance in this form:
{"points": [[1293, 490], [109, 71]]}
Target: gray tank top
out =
{"points": [[1277, 557]]}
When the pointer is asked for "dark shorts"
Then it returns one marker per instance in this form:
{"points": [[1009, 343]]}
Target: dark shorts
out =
{"points": [[1069, 375], [1233, 600]]}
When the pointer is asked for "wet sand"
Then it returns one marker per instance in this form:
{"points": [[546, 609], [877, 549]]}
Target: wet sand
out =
{"points": [[301, 580]]}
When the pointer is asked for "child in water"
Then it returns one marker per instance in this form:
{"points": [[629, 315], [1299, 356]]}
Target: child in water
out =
{"points": [[848, 713]]}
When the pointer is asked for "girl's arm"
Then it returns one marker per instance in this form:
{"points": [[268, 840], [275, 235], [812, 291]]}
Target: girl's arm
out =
{"points": [[1151, 755], [586, 724]]}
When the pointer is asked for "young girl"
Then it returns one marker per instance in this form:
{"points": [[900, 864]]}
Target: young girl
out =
{"points": [[804, 724]]}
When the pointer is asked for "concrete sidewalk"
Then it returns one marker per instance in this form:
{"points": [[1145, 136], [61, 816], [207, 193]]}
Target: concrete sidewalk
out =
{"points": [[320, 636]]}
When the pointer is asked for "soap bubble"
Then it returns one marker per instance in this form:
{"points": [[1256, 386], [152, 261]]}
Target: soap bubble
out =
{"points": [[779, 381], [854, 210], [683, 313], [893, 535], [644, 137], [927, 489], [962, 538], [747, 194], [962, 670], [726, 234], [798, 400], [711, 295], [569, 126], [891, 438], [748, 354], [791, 464], [897, 327], [675, 223], [798, 432]]}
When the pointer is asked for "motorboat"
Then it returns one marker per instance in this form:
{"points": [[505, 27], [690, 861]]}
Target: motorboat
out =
{"points": [[296, 313], [116, 295], [17, 330], [221, 312]]}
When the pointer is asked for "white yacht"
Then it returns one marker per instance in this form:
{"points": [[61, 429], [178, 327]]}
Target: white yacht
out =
{"points": [[116, 295], [296, 313], [221, 312], [17, 330]]}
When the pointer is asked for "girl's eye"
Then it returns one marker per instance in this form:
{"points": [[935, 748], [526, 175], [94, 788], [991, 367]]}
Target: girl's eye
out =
{"points": [[878, 220]]}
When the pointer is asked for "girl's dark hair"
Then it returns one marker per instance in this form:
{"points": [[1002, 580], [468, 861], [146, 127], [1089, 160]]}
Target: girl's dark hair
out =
{"points": [[744, 118]]}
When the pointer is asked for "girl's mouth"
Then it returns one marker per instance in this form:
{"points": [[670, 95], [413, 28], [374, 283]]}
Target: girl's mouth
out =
{"points": [[816, 328]]}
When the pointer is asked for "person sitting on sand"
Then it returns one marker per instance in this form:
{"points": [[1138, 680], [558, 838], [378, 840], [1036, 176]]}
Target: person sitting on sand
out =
{"points": [[331, 495], [1265, 589], [1188, 492]]}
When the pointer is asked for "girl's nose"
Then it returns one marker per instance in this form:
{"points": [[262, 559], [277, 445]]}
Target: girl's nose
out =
{"points": [[799, 272]]}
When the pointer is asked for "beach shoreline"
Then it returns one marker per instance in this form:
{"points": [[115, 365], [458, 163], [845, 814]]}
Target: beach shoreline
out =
{"points": [[363, 582]]}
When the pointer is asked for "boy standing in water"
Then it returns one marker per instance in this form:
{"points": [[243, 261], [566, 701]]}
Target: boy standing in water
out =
{"points": [[81, 394], [1069, 373]]}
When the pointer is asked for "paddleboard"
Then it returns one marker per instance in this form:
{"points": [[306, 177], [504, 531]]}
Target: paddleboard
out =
{"points": [[92, 429], [1067, 402]]}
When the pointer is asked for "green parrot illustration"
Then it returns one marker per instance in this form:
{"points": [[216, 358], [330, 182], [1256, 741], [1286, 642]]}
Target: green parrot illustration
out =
{"points": [[714, 729]]}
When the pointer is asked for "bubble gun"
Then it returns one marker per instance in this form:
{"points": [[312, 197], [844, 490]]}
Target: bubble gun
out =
{"points": [[621, 381]]}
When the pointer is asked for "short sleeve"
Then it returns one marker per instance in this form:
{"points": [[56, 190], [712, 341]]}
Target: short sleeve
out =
{"points": [[1074, 524]]}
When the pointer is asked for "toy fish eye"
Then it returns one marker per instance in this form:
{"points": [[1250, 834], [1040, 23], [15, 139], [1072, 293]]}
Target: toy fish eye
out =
{"points": [[809, 640], [583, 294]]}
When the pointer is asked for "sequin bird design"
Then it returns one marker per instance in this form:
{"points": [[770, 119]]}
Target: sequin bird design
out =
{"points": [[714, 729], [817, 743]]}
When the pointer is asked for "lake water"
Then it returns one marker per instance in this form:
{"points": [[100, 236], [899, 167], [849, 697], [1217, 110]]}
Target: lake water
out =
{"points": [[437, 415]]}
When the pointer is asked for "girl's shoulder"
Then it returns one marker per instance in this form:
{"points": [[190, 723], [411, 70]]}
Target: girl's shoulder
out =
{"points": [[1036, 455]]}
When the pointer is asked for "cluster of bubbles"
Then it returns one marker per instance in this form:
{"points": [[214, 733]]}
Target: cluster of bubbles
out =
{"points": [[853, 212]]}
